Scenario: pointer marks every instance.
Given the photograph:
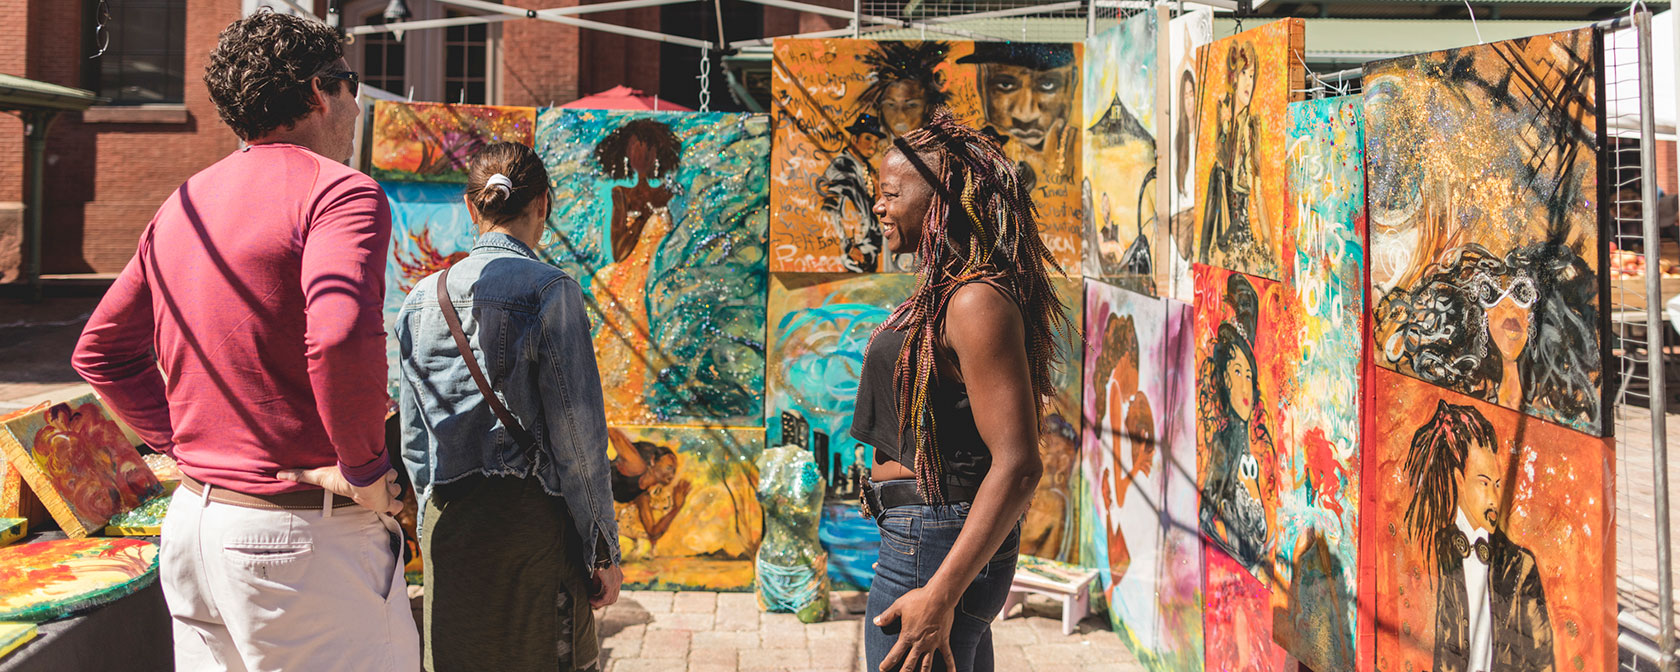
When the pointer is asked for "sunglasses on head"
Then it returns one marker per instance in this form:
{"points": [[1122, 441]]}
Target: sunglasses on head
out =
{"points": [[350, 76]]}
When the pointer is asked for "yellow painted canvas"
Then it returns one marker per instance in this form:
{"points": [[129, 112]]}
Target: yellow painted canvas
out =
{"points": [[78, 461], [686, 499]]}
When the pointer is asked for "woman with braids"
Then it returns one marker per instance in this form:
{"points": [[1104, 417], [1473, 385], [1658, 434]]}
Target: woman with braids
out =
{"points": [[1518, 331], [951, 397], [1490, 604]]}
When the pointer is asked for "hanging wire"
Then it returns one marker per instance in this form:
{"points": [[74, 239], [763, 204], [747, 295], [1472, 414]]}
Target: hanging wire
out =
{"points": [[101, 34]]}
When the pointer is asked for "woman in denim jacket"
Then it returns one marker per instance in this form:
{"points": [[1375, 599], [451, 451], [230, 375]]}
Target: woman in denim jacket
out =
{"points": [[517, 534], [951, 397]]}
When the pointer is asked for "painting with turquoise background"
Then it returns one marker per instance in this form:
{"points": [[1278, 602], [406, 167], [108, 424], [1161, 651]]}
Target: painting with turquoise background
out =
{"points": [[662, 218], [430, 230], [1315, 559]]}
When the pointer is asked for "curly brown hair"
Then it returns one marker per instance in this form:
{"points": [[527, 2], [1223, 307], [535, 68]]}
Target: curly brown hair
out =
{"points": [[260, 70]]}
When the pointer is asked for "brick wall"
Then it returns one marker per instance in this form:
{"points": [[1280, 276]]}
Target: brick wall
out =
{"points": [[539, 58], [1665, 167], [609, 60]]}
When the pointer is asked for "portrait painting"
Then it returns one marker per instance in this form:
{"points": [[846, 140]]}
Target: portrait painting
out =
{"points": [[661, 217], [1246, 84], [686, 500], [1494, 528], [1486, 259], [1185, 36]]}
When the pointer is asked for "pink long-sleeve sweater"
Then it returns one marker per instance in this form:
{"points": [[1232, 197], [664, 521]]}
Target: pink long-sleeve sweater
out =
{"points": [[259, 286]]}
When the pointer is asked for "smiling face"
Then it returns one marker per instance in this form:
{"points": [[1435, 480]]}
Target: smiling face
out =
{"points": [[1024, 102], [1479, 485], [904, 107], [902, 205]]}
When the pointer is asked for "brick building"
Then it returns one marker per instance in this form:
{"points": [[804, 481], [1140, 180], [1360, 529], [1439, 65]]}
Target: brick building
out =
{"points": [[108, 169]]}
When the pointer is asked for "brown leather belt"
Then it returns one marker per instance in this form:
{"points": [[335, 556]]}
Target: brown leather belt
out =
{"points": [[304, 500]]}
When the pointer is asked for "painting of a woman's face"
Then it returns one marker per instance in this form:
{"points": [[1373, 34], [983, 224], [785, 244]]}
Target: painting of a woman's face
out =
{"points": [[1187, 100], [1508, 316], [1244, 89], [1239, 380], [665, 469], [641, 157]]}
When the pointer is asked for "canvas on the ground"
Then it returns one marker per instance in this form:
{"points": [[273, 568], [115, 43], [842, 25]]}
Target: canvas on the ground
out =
{"points": [[686, 500], [1244, 375], [1124, 416], [1247, 81], [838, 105], [1315, 563], [1473, 507], [430, 231], [13, 529], [15, 635], [433, 142], [1486, 258], [47, 580], [1185, 34], [145, 520], [75, 457], [1121, 127], [661, 216]]}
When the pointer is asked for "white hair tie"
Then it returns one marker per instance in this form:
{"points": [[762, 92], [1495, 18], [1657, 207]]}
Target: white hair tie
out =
{"points": [[500, 181]]}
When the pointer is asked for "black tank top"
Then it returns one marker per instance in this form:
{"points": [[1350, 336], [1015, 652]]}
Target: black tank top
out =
{"points": [[875, 417]]}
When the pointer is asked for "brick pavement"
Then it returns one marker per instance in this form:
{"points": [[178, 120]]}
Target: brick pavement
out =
{"points": [[707, 632]]}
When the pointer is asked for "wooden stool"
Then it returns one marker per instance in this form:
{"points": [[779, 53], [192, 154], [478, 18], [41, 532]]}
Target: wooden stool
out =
{"points": [[1066, 584]]}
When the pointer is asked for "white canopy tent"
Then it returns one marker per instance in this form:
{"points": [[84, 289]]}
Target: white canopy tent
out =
{"points": [[1622, 79]]}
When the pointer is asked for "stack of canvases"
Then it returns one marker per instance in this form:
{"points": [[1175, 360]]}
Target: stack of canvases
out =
{"points": [[1397, 459], [661, 218]]}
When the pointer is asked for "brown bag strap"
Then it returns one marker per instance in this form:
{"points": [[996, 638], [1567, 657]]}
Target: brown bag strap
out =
{"points": [[520, 436]]}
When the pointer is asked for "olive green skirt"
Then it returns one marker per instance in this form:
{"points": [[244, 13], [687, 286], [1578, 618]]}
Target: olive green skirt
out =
{"points": [[506, 588]]}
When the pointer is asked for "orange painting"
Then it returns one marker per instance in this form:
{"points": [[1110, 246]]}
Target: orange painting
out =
{"points": [[432, 142], [839, 104], [1476, 509], [76, 457], [51, 579], [1248, 81]]}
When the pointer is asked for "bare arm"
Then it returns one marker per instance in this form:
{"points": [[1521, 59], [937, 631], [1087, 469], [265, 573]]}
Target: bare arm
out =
{"points": [[987, 333]]}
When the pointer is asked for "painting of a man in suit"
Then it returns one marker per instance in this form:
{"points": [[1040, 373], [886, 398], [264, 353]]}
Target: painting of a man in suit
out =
{"points": [[1490, 604]]}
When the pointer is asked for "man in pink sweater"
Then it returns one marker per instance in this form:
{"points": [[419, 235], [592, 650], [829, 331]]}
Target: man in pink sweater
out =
{"points": [[245, 339]]}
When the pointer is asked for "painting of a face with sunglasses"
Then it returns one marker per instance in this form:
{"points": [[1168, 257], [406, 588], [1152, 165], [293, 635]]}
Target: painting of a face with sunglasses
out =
{"points": [[1517, 330]]}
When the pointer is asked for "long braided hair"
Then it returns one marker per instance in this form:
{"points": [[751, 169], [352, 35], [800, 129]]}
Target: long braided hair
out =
{"points": [[980, 226]]}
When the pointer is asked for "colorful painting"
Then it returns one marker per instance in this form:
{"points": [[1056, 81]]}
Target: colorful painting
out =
{"points": [[662, 218], [839, 104], [1485, 252], [1124, 414], [430, 231], [1494, 535], [819, 328], [1185, 35], [145, 520], [48, 580], [1315, 564], [76, 459], [1239, 622], [1118, 192], [16, 501], [1247, 81], [1244, 346], [433, 142], [15, 635], [1051, 526], [1178, 592], [692, 520]]}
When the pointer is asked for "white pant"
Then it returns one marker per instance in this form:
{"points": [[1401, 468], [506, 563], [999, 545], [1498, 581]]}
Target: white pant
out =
{"points": [[259, 589]]}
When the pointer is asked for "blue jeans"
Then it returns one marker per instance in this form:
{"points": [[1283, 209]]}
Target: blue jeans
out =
{"points": [[914, 542]]}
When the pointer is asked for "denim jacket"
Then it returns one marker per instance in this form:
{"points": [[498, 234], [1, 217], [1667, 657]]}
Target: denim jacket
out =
{"points": [[525, 320]]}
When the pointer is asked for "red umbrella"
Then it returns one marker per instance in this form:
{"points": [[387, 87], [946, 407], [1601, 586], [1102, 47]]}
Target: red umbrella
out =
{"points": [[624, 98]]}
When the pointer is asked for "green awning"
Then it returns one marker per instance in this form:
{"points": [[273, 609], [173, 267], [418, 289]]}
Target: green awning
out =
{"points": [[17, 93]]}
